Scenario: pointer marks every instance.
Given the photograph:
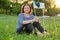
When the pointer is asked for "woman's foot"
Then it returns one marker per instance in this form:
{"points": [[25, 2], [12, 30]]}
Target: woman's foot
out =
{"points": [[39, 34], [45, 33]]}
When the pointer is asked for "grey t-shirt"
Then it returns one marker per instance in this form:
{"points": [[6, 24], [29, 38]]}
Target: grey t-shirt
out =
{"points": [[22, 18]]}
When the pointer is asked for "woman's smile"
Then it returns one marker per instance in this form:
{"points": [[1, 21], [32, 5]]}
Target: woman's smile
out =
{"points": [[26, 9]]}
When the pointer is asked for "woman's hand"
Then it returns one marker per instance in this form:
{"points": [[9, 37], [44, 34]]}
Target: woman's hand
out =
{"points": [[36, 19]]}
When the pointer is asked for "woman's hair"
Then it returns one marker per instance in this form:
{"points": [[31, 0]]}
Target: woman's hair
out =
{"points": [[26, 5]]}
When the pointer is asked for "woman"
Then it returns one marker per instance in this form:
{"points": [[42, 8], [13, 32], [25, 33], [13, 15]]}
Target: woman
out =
{"points": [[28, 22]]}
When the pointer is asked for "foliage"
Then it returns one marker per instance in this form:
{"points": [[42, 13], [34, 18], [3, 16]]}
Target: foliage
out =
{"points": [[4, 3], [53, 11], [16, 8]]}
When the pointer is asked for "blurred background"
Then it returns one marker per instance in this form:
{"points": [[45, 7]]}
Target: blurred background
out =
{"points": [[13, 7], [9, 9]]}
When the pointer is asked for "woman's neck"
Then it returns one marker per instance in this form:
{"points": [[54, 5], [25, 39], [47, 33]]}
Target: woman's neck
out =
{"points": [[26, 14]]}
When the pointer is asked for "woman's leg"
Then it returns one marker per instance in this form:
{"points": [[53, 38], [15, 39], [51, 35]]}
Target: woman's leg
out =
{"points": [[39, 27], [20, 29], [30, 28]]}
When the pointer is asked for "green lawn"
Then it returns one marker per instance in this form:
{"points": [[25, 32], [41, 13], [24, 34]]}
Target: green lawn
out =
{"points": [[8, 29]]}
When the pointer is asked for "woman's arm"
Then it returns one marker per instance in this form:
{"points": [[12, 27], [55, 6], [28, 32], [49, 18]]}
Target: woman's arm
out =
{"points": [[22, 21], [37, 19], [27, 21], [31, 21]]}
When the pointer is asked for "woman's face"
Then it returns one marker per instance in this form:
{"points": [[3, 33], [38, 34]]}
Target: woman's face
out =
{"points": [[26, 9]]}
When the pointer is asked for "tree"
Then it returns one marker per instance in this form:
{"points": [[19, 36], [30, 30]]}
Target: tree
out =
{"points": [[16, 8], [5, 4]]}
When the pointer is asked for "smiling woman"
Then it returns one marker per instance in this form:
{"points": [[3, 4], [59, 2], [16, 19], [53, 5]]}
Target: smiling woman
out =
{"points": [[57, 3], [27, 21]]}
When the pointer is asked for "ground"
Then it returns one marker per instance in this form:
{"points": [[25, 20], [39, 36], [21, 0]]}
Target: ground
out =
{"points": [[8, 25]]}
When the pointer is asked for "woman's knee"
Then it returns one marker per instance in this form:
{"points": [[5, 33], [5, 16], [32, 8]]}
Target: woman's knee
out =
{"points": [[30, 27], [19, 30], [36, 23]]}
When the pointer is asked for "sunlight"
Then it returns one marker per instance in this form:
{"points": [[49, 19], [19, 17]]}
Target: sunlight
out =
{"points": [[57, 3], [30, 2]]}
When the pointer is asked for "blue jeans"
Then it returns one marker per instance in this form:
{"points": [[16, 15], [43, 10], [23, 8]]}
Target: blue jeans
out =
{"points": [[28, 28]]}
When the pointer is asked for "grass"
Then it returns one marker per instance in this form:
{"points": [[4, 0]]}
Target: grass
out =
{"points": [[8, 29]]}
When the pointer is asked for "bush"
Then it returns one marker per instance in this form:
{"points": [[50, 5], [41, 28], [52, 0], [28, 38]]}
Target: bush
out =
{"points": [[53, 11], [16, 8]]}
